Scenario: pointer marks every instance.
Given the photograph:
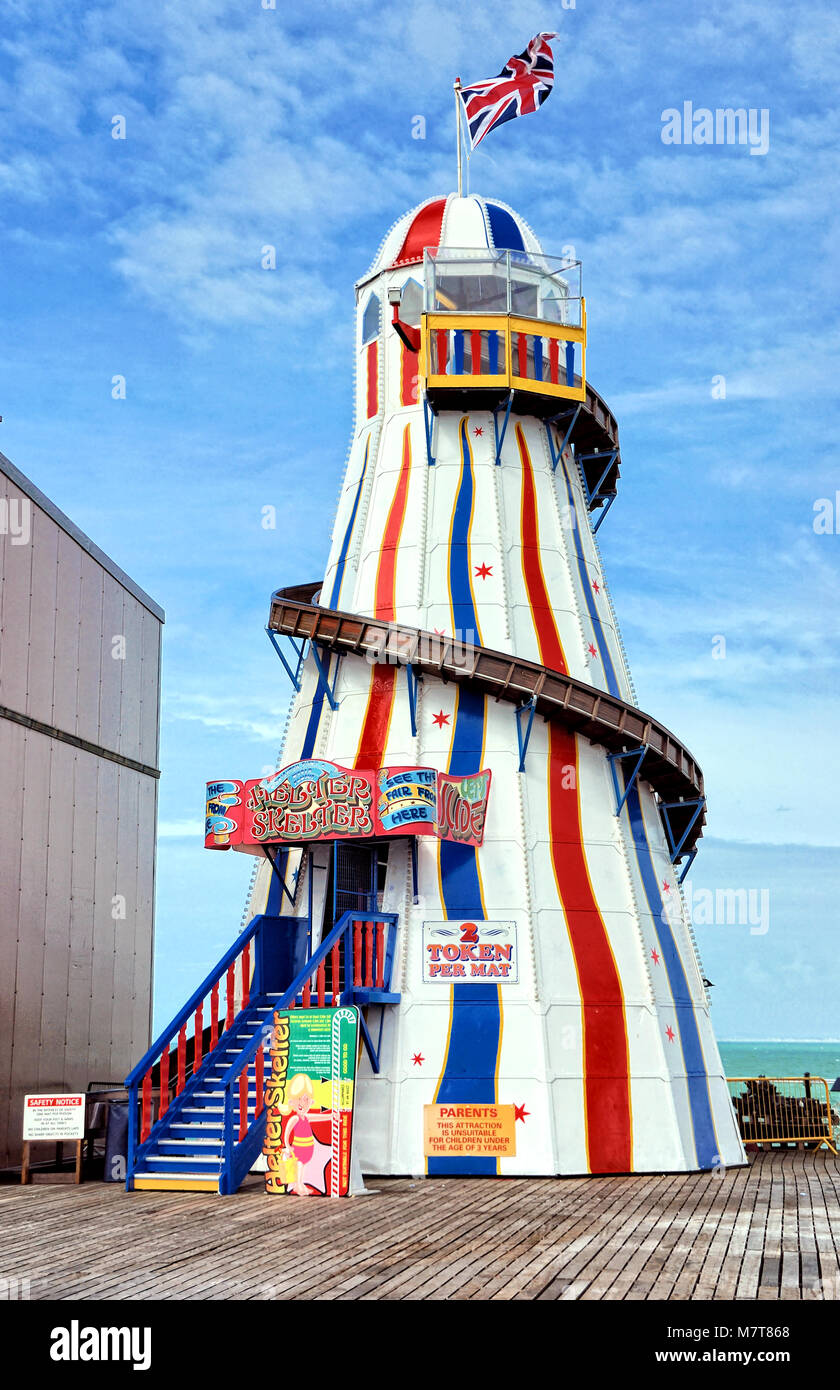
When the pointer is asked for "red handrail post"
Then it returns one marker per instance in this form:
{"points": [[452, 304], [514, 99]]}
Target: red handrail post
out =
{"points": [[320, 980], [164, 1082], [336, 965], [307, 994], [229, 996], [380, 955], [554, 361], [198, 1037], [442, 350], [214, 1016], [182, 1059], [246, 974], [243, 1102], [369, 955], [259, 1066], [357, 953], [146, 1107], [522, 354]]}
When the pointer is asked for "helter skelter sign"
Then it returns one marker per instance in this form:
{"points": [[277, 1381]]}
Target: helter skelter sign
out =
{"points": [[316, 800]]}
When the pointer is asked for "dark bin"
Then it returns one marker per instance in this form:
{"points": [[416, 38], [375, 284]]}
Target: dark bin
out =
{"points": [[116, 1142]]}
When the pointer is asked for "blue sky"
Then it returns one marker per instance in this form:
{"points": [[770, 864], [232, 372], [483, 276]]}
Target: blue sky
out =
{"points": [[293, 127]]}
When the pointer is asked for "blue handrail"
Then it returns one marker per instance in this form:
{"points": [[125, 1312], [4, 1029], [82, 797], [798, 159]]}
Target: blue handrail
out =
{"points": [[192, 1003]]}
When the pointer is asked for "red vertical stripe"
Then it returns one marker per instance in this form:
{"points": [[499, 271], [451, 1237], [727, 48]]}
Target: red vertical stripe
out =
{"points": [[372, 379], [554, 361], [522, 354], [606, 1079], [551, 650], [408, 376], [383, 678], [605, 1054]]}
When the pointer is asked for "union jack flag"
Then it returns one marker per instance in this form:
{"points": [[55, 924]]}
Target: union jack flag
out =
{"points": [[520, 88]]}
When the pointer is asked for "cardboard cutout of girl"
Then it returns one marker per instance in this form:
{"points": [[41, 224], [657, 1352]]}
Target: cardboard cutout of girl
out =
{"points": [[299, 1138]]}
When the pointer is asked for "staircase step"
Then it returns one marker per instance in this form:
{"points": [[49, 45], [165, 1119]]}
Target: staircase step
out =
{"points": [[187, 1163], [194, 1143], [175, 1182]]}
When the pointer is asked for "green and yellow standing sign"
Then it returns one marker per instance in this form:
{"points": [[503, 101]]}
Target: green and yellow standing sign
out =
{"points": [[309, 1101]]}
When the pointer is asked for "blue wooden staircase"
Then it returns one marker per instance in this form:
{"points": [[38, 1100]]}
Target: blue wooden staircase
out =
{"points": [[196, 1113]]}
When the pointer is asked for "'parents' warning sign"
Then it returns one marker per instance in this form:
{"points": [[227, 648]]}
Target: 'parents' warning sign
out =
{"points": [[54, 1117], [469, 1131]]}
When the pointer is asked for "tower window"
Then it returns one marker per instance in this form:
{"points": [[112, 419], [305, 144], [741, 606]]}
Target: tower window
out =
{"points": [[370, 320]]}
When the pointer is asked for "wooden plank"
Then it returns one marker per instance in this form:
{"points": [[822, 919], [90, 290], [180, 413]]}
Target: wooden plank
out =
{"points": [[438, 1238]]}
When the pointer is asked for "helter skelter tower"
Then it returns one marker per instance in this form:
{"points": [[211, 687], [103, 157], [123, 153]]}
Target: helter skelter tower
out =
{"points": [[464, 622]]}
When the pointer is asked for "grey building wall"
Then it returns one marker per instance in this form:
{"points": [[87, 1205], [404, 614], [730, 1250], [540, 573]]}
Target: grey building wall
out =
{"points": [[79, 715]]}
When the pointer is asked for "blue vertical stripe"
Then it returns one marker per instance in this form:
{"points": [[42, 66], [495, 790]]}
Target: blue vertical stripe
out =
{"points": [[705, 1140], [589, 597], [469, 1075]]}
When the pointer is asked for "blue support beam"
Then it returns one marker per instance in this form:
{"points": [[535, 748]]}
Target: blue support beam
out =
{"points": [[621, 796], [666, 807], [500, 438], [594, 494], [691, 859], [323, 679], [529, 708], [300, 653], [429, 423], [557, 454], [372, 1052], [411, 680], [603, 512]]}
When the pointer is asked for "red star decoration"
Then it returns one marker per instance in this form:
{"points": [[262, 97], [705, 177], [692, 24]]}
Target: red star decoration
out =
{"points": [[666, 887], [593, 651], [519, 1113], [596, 586], [669, 1030], [654, 955], [418, 1059], [482, 571], [478, 430], [440, 719], [440, 631]]}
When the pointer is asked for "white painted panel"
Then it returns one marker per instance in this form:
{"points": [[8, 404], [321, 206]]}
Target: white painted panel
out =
{"points": [[12, 748], [14, 626], [143, 945], [58, 853], [125, 929], [103, 923], [81, 1020], [30, 960], [111, 668], [150, 690], [90, 649], [132, 678], [66, 667], [41, 654]]}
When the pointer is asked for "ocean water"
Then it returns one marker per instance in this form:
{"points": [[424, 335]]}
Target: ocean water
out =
{"points": [[777, 1057]]}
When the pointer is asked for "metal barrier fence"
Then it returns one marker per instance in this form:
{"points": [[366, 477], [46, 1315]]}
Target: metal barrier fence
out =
{"points": [[783, 1109]]}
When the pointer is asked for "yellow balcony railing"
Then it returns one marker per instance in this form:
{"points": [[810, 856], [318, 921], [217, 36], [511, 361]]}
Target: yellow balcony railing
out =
{"points": [[503, 350]]}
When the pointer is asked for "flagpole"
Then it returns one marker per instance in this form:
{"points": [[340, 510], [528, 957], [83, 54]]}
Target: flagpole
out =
{"points": [[457, 86]]}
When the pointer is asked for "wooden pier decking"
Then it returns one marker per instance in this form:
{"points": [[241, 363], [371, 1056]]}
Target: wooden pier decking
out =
{"points": [[768, 1231]]}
